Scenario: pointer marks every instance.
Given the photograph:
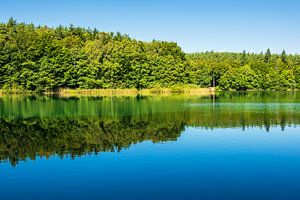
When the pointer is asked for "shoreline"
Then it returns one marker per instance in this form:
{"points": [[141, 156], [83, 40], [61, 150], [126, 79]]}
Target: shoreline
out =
{"points": [[131, 92], [119, 92], [134, 92]]}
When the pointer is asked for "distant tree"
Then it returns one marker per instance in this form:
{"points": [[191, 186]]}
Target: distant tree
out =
{"points": [[244, 58], [268, 56], [11, 22], [284, 57]]}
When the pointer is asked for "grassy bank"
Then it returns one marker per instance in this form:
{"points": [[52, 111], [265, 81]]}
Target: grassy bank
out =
{"points": [[16, 91], [117, 92], [134, 92]]}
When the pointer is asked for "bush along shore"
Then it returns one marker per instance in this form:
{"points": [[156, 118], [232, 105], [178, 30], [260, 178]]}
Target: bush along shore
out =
{"points": [[45, 60]]}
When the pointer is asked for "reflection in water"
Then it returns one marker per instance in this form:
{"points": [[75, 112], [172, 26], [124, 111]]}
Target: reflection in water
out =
{"points": [[45, 126], [27, 138]]}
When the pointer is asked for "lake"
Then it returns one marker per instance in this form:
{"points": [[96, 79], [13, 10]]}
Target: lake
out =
{"points": [[228, 146]]}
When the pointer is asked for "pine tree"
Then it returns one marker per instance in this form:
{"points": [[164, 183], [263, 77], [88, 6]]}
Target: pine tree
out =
{"points": [[243, 59], [268, 56], [283, 57], [11, 22]]}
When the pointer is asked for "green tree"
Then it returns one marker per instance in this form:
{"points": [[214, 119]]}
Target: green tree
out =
{"points": [[243, 78], [268, 56], [284, 57]]}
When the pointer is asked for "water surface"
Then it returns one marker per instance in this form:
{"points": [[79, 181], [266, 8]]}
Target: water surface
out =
{"points": [[229, 146]]}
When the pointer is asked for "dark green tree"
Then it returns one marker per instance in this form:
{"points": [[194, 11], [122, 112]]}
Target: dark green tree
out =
{"points": [[268, 55], [284, 57]]}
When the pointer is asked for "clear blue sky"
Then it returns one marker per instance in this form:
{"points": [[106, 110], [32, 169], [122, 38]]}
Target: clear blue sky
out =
{"points": [[196, 25]]}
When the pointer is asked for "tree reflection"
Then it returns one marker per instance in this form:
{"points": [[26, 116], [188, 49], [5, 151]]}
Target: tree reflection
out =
{"points": [[23, 139], [45, 126]]}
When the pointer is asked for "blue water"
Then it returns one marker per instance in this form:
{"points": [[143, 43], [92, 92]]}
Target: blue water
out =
{"points": [[201, 164], [236, 147]]}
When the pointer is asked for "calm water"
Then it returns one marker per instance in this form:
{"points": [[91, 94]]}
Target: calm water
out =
{"points": [[231, 146]]}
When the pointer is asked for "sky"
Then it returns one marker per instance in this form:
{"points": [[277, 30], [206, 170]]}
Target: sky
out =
{"points": [[196, 25]]}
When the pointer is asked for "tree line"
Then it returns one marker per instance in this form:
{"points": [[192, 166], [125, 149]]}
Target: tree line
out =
{"points": [[40, 58], [246, 71]]}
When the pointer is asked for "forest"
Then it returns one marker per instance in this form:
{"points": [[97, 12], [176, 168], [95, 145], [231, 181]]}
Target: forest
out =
{"points": [[41, 58]]}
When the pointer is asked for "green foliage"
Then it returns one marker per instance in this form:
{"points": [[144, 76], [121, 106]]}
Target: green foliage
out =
{"points": [[244, 71], [243, 78], [48, 59], [280, 81]]}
